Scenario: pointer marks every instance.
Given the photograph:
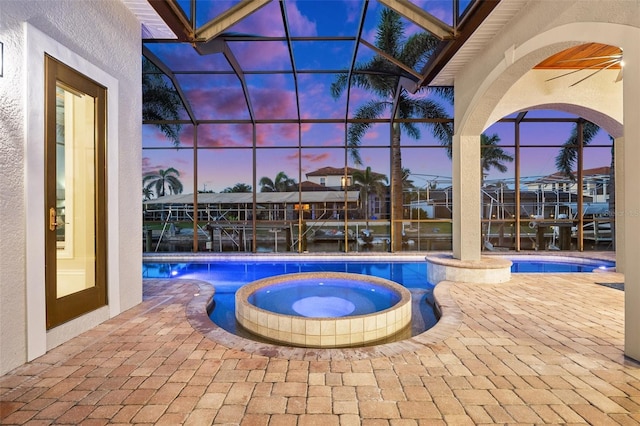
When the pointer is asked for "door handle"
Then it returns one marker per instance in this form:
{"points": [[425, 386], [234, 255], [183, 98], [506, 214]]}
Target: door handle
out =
{"points": [[53, 219]]}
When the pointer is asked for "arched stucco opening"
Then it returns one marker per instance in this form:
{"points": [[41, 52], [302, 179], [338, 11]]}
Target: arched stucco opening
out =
{"points": [[499, 90], [493, 96]]}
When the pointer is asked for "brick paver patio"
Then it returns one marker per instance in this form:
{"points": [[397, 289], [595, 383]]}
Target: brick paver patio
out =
{"points": [[542, 348]]}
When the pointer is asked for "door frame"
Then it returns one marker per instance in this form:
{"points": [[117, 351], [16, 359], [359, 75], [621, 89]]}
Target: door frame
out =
{"points": [[62, 309], [38, 339]]}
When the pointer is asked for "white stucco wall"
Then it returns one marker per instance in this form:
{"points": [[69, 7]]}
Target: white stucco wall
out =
{"points": [[103, 37]]}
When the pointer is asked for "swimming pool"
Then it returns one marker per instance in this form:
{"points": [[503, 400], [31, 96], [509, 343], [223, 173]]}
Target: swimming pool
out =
{"points": [[228, 274], [526, 264]]}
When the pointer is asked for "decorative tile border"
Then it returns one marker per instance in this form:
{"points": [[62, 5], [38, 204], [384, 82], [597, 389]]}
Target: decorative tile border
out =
{"points": [[324, 332], [197, 314], [486, 270]]}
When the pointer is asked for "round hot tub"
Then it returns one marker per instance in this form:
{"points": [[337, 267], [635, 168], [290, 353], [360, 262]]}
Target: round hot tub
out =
{"points": [[324, 309]]}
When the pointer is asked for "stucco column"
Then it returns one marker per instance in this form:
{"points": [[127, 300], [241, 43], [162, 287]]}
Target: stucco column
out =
{"points": [[631, 101], [618, 146], [466, 197]]}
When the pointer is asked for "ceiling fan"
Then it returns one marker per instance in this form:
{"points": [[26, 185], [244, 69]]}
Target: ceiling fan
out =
{"points": [[592, 57]]}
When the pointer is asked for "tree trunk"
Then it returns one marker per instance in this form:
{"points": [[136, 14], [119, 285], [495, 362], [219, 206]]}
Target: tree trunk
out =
{"points": [[397, 209], [366, 210]]}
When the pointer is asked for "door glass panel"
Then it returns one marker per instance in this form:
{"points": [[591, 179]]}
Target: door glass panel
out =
{"points": [[75, 191]]}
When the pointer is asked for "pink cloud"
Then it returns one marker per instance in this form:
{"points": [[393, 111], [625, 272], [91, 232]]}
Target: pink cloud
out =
{"points": [[217, 102], [372, 134], [309, 160], [316, 158], [438, 10], [276, 134], [251, 55], [353, 10], [273, 103], [224, 135], [299, 24], [266, 21]]}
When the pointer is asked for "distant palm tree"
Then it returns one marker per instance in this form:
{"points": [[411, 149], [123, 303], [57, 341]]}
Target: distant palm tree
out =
{"points": [[369, 183], [407, 183], [381, 77], [238, 187], [282, 183], [147, 194], [163, 182], [491, 155], [568, 155], [160, 101]]}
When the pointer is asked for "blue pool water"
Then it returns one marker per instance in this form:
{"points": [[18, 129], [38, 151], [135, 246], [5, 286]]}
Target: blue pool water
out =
{"points": [[586, 265], [324, 297], [230, 274]]}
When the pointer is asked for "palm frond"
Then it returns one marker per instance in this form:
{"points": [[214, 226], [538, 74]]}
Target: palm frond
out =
{"points": [[369, 111], [418, 49], [378, 75], [427, 108], [390, 32], [411, 130], [339, 85], [492, 155], [568, 155], [160, 101]]}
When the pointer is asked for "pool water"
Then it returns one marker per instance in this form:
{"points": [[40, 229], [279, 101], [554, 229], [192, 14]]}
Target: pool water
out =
{"points": [[229, 275], [324, 297], [522, 266]]}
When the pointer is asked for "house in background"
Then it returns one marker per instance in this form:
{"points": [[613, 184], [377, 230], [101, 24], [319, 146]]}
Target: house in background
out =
{"points": [[332, 177], [595, 183], [340, 178]]}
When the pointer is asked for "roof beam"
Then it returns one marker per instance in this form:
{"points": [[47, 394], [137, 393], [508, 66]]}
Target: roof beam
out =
{"points": [[472, 20], [230, 17], [173, 16], [420, 17], [391, 59], [218, 45], [228, 54]]}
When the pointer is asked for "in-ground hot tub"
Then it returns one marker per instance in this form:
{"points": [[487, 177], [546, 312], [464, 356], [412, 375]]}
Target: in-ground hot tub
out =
{"points": [[324, 309]]}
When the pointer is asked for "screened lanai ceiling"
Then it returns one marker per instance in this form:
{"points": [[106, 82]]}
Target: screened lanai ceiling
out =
{"points": [[268, 61]]}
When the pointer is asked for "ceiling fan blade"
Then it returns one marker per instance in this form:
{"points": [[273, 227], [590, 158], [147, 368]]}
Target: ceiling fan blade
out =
{"points": [[591, 58], [592, 74], [565, 74], [619, 77], [598, 67]]}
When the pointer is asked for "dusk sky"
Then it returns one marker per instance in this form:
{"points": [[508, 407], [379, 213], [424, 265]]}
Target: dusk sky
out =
{"points": [[225, 157]]}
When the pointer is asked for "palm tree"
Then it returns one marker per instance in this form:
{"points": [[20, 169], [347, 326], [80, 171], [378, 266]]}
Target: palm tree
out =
{"points": [[381, 77], [370, 183], [282, 183], [407, 183], [147, 194], [163, 182], [567, 157], [238, 187], [160, 101], [491, 155]]}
